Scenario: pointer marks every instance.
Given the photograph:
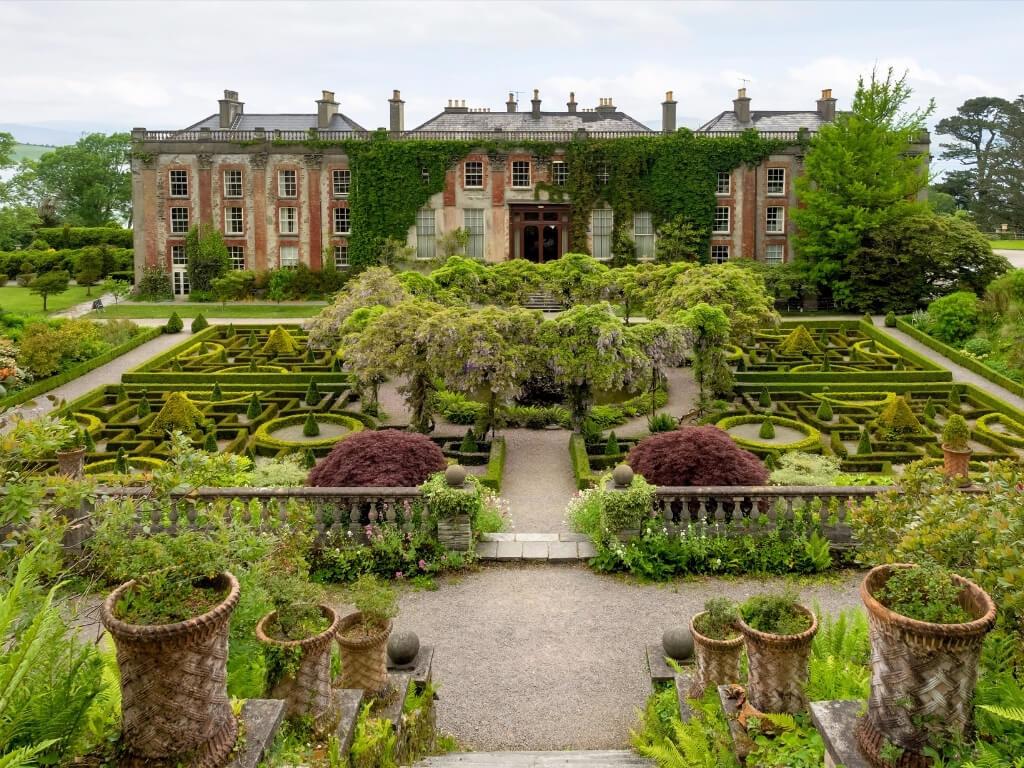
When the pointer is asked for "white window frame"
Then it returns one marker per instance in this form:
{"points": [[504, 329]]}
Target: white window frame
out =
{"points": [[236, 254], [229, 183], [521, 169], [715, 227], [182, 179], [288, 220], [775, 260], [341, 256], [780, 222], [602, 225], [179, 256], [180, 282], [726, 189], [603, 174], [477, 172], [777, 186], [179, 223], [342, 222], [291, 260], [287, 179], [473, 222], [341, 182], [559, 173], [426, 234], [716, 258], [643, 235], [234, 225]]}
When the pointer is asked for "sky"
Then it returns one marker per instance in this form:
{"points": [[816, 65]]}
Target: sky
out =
{"points": [[163, 65]]}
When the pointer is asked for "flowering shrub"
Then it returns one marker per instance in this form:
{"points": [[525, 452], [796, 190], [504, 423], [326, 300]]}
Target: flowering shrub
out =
{"points": [[389, 553]]}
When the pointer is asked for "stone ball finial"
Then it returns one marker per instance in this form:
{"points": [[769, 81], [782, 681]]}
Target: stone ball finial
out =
{"points": [[678, 643], [623, 476], [455, 475], [403, 647]]}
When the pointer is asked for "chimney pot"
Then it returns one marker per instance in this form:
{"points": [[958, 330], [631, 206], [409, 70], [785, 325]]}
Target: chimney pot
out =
{"points": [[535, 103], [571, 104], [668, 95], [230, 109], [741, 107], [827, 106], [396, 112], [668, 114]]}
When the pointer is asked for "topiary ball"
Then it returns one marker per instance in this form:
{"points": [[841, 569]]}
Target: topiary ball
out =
{"points": [[695, 456], [403, 647], [678, 643], [386, 457]]}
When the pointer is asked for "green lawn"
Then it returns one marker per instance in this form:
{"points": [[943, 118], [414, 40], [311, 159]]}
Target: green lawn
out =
{"points": [[1008, 245], [30, 151], [20, 300], [138, 311]]}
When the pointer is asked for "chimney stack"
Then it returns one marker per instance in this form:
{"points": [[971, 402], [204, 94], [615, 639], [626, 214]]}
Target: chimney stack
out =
{"points": [[397, 110], [510, 105], [230, 108], [741, 107], [457, 106], [326, 108], [827, 106], [571, 104], [668, 114], [535, 103], [605, 106]]}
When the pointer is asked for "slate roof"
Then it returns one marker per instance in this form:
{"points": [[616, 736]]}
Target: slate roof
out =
{"points": [[525, 121], [765, 120], [247, 122]]}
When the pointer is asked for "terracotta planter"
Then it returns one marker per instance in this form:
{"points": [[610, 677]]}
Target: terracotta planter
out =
{"points": [[955, 463], [777, 667], [174, 697], [308, 691], [718, 661], [364, 660], [71, 463], [922, 674]]}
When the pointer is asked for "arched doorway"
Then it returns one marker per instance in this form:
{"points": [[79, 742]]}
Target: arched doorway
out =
{"points": [[539, 231]]}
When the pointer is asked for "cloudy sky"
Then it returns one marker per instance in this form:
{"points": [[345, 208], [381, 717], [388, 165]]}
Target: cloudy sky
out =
{"points": [[164, 64]]}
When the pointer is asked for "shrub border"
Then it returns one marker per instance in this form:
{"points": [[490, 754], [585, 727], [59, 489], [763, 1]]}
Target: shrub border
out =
{"points": [[495, 466], [958, 357], [1016, 440], [52, 382], [261, 436], [581, 471], [809, 442]]}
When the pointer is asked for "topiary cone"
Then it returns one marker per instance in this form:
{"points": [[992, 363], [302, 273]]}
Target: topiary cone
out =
{"points": [[311, 428]]}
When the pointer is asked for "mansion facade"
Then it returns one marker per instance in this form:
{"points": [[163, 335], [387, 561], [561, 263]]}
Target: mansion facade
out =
{"points": [[281, 203]]}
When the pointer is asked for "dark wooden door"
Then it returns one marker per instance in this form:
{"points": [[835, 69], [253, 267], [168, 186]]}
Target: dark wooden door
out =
{"points": [[539, 233]]}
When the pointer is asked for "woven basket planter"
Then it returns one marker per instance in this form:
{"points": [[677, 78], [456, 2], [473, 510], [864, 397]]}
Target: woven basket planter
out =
{"points": [[364, 660], [308, 691], [174, 698], [956, 463], [777, 667], [922, 674], [718, 661]]}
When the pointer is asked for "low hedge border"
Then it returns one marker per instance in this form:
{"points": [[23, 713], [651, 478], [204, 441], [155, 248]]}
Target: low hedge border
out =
{"points": [[838, 377], [135, 462], [495, 473], [1015, 438], [810, 443], [207, 334], [897, 346], [580, 462], [263, 437], [45, 385], [958, 357], [265, 380]]}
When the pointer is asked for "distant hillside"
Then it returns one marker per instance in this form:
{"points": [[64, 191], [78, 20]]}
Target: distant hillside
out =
{"points": [[30, 151]]}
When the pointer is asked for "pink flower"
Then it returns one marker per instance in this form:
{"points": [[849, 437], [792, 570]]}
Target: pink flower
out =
{"points": [[399, 575], [423, 565]]}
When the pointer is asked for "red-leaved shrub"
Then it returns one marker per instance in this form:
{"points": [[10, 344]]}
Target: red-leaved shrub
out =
{"points": [[695, 456], [379, 458]]}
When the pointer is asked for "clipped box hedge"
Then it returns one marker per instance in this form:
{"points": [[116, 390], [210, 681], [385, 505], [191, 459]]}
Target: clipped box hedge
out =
{"points": [[495, 473], [78, 237], [581, 471], [958, 357]]}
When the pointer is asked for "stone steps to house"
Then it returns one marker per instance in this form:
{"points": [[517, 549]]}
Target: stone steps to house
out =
{"points": [[551, 547], [612, 758], [543, 301]]}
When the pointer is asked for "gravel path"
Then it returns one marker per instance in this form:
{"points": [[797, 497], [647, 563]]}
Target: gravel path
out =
{"points": [[682, 398], [538, 479], [552, 657]]}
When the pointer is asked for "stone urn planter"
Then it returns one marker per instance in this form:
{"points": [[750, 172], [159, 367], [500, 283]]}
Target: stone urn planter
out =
{"points": [[364, 661], [718, 661], [777, 667], [307, 691], [71, 463], [174, 699], [922, 674], [956, 463]]}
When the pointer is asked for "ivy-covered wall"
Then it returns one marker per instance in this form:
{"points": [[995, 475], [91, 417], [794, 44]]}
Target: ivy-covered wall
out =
{"points": [[668, 175]]}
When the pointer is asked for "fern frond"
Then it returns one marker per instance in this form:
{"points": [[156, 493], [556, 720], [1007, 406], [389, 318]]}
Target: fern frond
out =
{"points": [[1015, 714]]}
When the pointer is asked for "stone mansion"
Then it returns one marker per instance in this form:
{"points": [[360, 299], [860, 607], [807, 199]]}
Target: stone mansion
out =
{"points": [[280, 191]]}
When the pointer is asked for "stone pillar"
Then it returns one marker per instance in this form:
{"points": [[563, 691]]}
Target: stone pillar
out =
{"points": [[455, 532]]}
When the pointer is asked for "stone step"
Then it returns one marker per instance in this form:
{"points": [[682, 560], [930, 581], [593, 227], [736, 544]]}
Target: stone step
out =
{"points": [[611, 758], [552, 547]]}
